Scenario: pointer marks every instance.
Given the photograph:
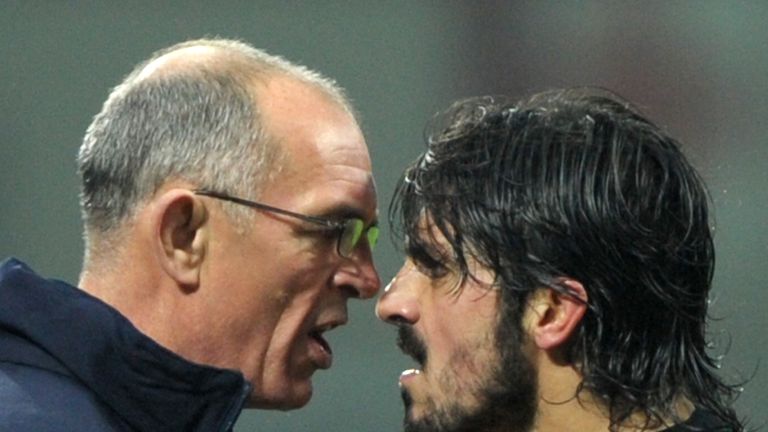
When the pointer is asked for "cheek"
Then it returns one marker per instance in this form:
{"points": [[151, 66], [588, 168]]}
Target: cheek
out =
{"points": [[443, 339], [277, 279], [288, 368], [459, 330], [462, 351], [289, 340]]}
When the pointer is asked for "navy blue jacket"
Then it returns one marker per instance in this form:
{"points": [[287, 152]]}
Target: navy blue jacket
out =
{"points": [[70, 362]]}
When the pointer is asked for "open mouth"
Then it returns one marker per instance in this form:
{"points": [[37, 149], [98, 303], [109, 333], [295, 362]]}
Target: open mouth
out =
{"points": [[320, 350], [412, 345], [409, 373], [317, 336]]}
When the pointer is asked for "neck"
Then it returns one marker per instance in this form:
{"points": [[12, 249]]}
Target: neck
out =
{"points": [[560, 409], [144, 297]]}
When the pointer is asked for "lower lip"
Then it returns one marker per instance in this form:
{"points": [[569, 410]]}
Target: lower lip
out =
{"points": [[319, 355], [409, 375]]}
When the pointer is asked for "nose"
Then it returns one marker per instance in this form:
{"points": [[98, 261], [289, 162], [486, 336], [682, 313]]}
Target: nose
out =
{"points": [[399, 303], [359, 275]]}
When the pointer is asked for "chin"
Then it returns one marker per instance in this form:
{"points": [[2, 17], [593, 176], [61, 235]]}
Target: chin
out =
{"points": [[415, 412], [283, 402]]}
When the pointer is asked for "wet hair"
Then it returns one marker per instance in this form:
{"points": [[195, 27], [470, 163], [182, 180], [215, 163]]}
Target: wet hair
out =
{"points": [[578, 184]]}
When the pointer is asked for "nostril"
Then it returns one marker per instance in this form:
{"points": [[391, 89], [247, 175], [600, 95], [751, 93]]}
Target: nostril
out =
{"points": [[369, 288], [353, 283], [397, 310], [396, 320], [350, 292]]}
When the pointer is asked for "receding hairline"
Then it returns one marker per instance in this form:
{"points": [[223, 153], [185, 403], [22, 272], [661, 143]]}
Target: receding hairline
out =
{"points": [[189, 59], [233, 59]]}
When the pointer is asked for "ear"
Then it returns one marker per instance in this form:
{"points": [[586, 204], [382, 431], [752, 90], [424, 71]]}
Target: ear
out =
{"points": [[552, 316], [180, 236]]}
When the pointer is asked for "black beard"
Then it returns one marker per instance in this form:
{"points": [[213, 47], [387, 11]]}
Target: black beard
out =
{"points": [[410, 343], [509, 405]]}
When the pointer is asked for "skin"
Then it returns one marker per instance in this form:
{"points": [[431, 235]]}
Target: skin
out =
{"points": [[251, 300], [455, 327], [458, 349], [305, 280]]}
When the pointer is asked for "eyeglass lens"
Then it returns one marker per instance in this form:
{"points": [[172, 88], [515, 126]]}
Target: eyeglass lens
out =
{"points": [[350, 236]]}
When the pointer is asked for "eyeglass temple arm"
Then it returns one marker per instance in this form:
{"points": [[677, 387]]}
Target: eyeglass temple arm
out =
{"points": [[260, 206]]}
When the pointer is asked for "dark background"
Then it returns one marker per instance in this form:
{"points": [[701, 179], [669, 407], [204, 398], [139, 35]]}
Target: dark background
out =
{"points": [[699, 68]]}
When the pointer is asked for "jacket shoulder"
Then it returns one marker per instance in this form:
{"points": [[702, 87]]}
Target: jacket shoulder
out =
{"points": [[35, 399]]}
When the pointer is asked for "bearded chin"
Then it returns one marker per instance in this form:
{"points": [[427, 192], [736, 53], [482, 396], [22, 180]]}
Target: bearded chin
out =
{"points": [[506, 396], [504, 408]]}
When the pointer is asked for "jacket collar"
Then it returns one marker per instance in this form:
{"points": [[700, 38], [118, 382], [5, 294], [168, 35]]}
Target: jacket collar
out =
{"points": [[148, 386]]}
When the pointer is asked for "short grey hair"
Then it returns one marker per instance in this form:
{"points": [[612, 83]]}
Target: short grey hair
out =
{"points": [[199, 124]]}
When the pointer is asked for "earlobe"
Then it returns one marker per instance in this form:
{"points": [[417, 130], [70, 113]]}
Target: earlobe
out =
{"points": [[554, 315], [180, 236]]}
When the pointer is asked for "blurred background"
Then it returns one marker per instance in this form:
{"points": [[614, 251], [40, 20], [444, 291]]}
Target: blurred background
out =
{"points": [[699, 68]]}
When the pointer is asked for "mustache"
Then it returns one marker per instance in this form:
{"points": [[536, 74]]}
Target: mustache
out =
{"points": [[411, 344]]}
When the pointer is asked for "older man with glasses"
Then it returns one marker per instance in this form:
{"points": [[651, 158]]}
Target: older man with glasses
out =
{"points": [[192, 306]]}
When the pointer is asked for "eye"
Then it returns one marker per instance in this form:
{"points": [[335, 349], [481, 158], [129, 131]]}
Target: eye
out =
{"points": [[426, 264], [433, 272]]}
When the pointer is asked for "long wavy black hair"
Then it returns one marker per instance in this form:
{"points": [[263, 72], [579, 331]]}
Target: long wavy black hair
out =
{"points": [[577, 183]]}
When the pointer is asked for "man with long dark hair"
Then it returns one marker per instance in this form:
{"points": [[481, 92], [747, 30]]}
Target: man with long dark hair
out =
{"points": [[559, 262]]}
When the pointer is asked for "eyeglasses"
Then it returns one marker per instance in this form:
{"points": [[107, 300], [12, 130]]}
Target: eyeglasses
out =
{"points": [[350, 231]]}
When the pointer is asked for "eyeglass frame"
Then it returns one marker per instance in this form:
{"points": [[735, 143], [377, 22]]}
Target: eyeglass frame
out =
{"points": [[335, 225]]}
